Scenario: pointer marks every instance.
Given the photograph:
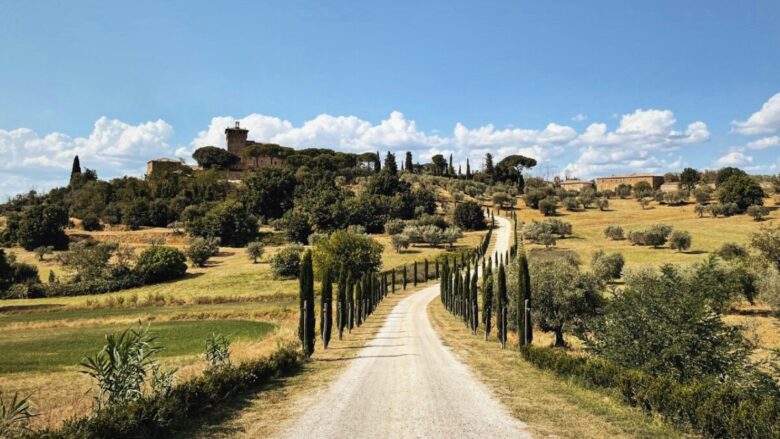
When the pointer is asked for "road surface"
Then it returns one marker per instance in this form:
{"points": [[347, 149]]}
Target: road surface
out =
{"points": [[406, 384]]}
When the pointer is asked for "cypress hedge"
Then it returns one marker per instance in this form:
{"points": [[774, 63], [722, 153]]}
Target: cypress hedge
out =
{"points": [[502, 312]]}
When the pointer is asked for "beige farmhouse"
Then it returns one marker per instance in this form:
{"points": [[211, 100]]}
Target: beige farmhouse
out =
{"points": [[613, 181]]}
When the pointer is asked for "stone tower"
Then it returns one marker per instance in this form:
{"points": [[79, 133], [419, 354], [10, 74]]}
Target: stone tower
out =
{"points": [[236, 139]]}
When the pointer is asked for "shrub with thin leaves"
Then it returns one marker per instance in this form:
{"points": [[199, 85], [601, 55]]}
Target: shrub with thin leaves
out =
{"points": [[399, 242], [15, 415], [614, 232], [217, 352]]}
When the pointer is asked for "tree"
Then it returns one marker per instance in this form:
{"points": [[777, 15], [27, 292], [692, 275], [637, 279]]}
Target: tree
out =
{"points": [[623, 190], [88, 260], [548, 206], [767, 242], [699, 209], [564, 298], [757, 212], [439, 164], [399, 242], [489, 169], [469, 216], [724, 174], [503, 311], [211, 157], [523, 300], [684, 339], [408, 165], [511, 168], [160, 264], [201, 249], [390, 164], [269, 192], [689, 178], [326, 308], [298, 227], [680, 240], [229, 221], [75, 171], [360, 254], [642, 189], [468, 170], [377, 163], [607, 266], [42, 226], [741, 190], [487, 300], [343, 305], [255, 251], [614, 232], [286, 262], [306, 295]]}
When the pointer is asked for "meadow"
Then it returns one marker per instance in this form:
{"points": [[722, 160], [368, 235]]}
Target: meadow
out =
{"points": [[48, 337]]}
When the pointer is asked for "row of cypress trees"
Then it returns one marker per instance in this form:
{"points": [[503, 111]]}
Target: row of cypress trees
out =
{"points": [[356, 298], [459, 292]]}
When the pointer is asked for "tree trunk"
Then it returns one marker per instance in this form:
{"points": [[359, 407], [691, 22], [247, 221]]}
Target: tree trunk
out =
{"points": [[559, 342]]}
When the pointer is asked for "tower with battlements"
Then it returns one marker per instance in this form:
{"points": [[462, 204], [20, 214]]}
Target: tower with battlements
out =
{"points": [[236, 140]]}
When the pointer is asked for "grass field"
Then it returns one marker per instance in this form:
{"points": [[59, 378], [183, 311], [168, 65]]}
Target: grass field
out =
{"points": [[48, 337]]}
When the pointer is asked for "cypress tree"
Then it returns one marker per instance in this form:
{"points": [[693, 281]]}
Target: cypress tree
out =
{"points": [[350, 303], [343, 307], [474, 302], [306, 292], [392, 280], [76, 167], [502, 306], [414, 274], [377, 163], [443, 283], [487, 301], [525, 324], [326, 318], [425, 263], [468, 170], [409, 166], [437, 267], [467, 296], [358, 302], [404, 277]]}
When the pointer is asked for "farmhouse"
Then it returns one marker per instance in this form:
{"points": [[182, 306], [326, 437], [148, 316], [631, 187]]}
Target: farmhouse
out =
{"points": [[613, 181], [576, 185], [672, 186]]}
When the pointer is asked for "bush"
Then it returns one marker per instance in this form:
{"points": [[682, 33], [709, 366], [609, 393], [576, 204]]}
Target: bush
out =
{"points": [[741, 190], [655, 236], [469, 216], [399, 242], [541, 232], [614, 232], [680, 240], [91, 223], [757, 212], [255, 251], [731, 250], [603, 203], [160, 264], [571, 204], [394, 227], [360, 254], [200, 250], [548, 206], [607, 266], [286, 263]]}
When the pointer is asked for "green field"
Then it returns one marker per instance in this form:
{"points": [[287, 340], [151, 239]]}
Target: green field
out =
{"points": [[52, 349]]}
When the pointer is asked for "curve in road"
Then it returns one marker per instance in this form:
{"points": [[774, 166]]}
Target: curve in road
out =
{"points": [[405, 383]]}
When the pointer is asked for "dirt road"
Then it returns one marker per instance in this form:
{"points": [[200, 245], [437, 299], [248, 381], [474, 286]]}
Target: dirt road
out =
{"points": [[406, 384]]}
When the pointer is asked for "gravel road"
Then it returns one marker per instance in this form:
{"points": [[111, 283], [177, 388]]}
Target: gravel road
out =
{"points": [[406, 384]]}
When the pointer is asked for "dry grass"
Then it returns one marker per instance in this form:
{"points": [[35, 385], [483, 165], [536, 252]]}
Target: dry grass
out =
{"points": [[551, 407]]}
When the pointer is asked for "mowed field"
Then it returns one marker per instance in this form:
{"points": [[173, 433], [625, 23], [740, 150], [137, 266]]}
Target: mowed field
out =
{"points": [[43, 340]]}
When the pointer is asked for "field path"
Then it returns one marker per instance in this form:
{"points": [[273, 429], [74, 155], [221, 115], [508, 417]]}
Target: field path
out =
{"points": [[406, 384]]}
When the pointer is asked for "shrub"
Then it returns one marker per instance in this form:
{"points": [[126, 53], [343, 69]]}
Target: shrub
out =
{"points": [[394, 227], [607, 266], [469, 216], [160, 264], [680, 240], [655, 236], [360, 254], [200, 250], [623, 190], [571, 204], [432, 235], [757, 212], [614, 232], [255, 251], [700, 209], [731, 250], [548, 206], [451, 235], [603, 203], [399, 242], [15, 415], [217, 352], [91, 223], [286, 263]]}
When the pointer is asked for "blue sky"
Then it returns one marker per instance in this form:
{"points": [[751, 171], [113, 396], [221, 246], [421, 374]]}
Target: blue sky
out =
{"points": [[589, 88]]}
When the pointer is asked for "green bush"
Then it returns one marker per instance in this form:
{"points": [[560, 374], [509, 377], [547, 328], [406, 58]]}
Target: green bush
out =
{"points": [[91, 223], [287, 262], [160, 264], [708, 407], [548, 206], [469, 216]]}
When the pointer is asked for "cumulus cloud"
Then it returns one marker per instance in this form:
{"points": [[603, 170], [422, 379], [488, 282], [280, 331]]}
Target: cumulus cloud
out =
{"points": [[734, 158], [764, 121], [635, 145], [764, 143], [33, 161]]}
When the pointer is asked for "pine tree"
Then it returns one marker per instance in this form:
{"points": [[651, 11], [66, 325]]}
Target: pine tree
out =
{"points": [[326, 299], [306, 293], [343, 306], [524, 323], [502, 306], [409, 165], [487, 300]]}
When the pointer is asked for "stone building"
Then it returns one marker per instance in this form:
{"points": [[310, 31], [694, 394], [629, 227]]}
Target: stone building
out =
{"points": [[576, 185], [237, 142], [162, 165], [613, 181]]}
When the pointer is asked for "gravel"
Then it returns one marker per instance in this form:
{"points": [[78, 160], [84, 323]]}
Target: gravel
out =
{"points": [[406, 384]]}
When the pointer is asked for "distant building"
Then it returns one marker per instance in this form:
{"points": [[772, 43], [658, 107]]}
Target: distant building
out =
{"points": [[613, 181], [236, 140], [162, 165], [672, 186], [576, 185]]}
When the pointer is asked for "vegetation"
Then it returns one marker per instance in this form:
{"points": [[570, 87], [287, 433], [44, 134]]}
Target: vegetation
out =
{"points": [[469, 216]]}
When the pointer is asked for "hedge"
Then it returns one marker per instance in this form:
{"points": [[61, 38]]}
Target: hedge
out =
{"points": [[708, 407], [162, 415]]}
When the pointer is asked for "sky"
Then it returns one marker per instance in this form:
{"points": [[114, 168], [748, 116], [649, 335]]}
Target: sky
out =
{"points": [[587, 88]]}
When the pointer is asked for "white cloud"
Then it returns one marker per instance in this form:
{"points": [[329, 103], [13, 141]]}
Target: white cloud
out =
{"points": [[113, 148], [734, 158], [579, 117], [635, 145], [764, 121], [763, 143]]}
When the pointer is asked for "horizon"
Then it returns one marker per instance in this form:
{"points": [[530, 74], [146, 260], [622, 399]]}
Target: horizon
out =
{"points": [[586, 90]]}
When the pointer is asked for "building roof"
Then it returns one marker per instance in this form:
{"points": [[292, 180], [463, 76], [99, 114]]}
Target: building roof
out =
{"points": [[629, 176]]}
